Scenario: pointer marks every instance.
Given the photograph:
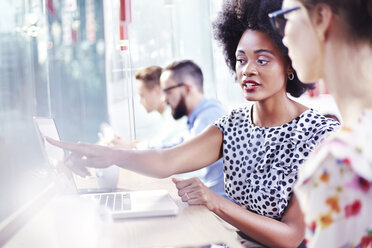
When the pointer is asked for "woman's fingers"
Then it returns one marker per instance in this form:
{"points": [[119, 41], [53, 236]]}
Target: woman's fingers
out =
{"points": [[190, 190], [75, 167], [61, 144], [85, 155], [80, 148], [81, 171], [183, 185], [193, 198]]}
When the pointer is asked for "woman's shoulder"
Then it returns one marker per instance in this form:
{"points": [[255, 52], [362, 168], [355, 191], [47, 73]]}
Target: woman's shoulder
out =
{"points": [[242, 110], [335, 152], [312, 118], [236, 117], [311, 128], [241, 113]]}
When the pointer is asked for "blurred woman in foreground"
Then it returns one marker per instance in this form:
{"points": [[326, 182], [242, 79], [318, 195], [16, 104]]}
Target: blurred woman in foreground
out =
{"points": [[332, 40]]}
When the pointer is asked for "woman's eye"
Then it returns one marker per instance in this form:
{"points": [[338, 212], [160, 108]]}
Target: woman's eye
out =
{"points": [[262, 61], [240, 61]]}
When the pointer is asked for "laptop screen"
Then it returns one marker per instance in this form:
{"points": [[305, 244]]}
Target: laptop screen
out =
{"points": [[47, 127], [53, 155]]}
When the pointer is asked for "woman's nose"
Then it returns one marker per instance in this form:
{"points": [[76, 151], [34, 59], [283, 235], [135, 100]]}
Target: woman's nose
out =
{"points": [[249, 70]]}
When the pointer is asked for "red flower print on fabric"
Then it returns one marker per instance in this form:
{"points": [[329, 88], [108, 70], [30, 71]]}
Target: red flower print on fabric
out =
{"points": [[366, 241], [353, 209], [347, 161]]}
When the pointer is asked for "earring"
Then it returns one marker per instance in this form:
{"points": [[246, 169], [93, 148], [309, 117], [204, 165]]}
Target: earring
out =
{"points": [[291, 76]]}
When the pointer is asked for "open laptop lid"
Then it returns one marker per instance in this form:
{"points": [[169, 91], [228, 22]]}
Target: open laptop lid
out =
{"points": [[53, 155], [47, 127]]}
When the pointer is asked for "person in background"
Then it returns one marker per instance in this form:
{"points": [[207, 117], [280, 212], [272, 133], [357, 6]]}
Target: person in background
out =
{"points": [[165, 131], [152, 99], [262, 145], [332, 40], [149, 91], [182, 83], [180, 86]]}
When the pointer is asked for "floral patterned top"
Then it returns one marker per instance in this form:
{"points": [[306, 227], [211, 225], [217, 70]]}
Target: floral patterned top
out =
{"points": [[335, 189]]}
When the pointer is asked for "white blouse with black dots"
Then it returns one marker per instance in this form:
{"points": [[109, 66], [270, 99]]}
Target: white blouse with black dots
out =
{"points": [[261, 163]]}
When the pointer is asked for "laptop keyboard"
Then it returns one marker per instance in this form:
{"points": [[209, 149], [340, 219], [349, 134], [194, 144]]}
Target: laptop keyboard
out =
{"points": [[113, 201]]}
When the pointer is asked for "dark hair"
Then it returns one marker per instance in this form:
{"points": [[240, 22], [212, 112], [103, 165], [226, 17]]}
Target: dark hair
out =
{"points": [[150, 76], [356, 13], [186, 68], [239, 15]]}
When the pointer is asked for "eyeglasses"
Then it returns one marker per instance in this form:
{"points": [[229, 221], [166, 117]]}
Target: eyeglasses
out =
{"points": [[173, 87], [278, 20]]}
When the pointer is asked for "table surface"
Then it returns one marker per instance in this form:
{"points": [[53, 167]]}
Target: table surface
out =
{"points": [[68, 221]]}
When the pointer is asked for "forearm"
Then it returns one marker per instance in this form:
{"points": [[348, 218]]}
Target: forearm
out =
{"points": [[189, 156], [154, 163], [160, 163], [263, 229]]}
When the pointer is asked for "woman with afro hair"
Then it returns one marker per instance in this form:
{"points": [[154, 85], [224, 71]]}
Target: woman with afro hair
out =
{"points": [[262, 145]]}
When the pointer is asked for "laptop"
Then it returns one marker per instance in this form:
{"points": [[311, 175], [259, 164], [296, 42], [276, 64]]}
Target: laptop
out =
{"points": [[132, 204]]}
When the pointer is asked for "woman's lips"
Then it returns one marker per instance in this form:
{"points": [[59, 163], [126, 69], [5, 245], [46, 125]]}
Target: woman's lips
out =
{"points": [[250, 85]]}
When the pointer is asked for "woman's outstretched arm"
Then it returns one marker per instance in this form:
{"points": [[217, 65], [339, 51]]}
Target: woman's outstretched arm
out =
{"points": [[194, 154]]}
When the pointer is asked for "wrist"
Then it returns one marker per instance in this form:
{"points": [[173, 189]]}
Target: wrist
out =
{"points": [[114, 156], [216, 200]]}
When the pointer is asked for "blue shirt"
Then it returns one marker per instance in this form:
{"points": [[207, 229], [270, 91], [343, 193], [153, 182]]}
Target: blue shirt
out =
{"points": [[204, 114]]}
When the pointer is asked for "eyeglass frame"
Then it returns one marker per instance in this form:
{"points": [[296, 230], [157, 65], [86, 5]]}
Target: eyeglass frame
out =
{"points": [[274, 16], [173, 87]]}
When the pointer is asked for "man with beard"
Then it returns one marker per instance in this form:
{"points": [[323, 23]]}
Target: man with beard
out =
{"points": [[165, 130], [182, 84]]}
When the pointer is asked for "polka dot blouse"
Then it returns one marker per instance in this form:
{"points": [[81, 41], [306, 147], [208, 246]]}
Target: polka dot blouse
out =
{"points": [[261, 163]]}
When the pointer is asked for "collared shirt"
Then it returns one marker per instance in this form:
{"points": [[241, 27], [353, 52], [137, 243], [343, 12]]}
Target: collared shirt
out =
{"points": [[167, 133], [204, 114]]}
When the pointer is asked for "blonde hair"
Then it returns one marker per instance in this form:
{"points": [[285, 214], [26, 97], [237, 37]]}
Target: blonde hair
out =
{"points": [[150, 76]]}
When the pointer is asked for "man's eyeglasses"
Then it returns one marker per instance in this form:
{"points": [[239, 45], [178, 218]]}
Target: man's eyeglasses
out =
{"points": [[173, 87], [278, 20]]}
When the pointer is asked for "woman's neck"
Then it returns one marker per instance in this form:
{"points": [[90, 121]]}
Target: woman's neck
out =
{"points": [[347, 74], [272, 113]]}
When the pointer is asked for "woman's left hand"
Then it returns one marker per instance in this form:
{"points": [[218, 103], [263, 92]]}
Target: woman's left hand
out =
{"points": [[194, 192]]}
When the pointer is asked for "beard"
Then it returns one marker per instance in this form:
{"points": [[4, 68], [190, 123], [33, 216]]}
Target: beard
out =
{"points": [[180, 110]]}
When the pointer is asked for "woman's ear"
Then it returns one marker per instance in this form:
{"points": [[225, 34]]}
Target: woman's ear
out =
{"points": [[289, 70], [321, 17]]}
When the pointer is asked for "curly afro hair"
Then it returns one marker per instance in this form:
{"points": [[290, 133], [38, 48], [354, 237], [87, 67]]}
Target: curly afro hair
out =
{"points": [[239, 15]]}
